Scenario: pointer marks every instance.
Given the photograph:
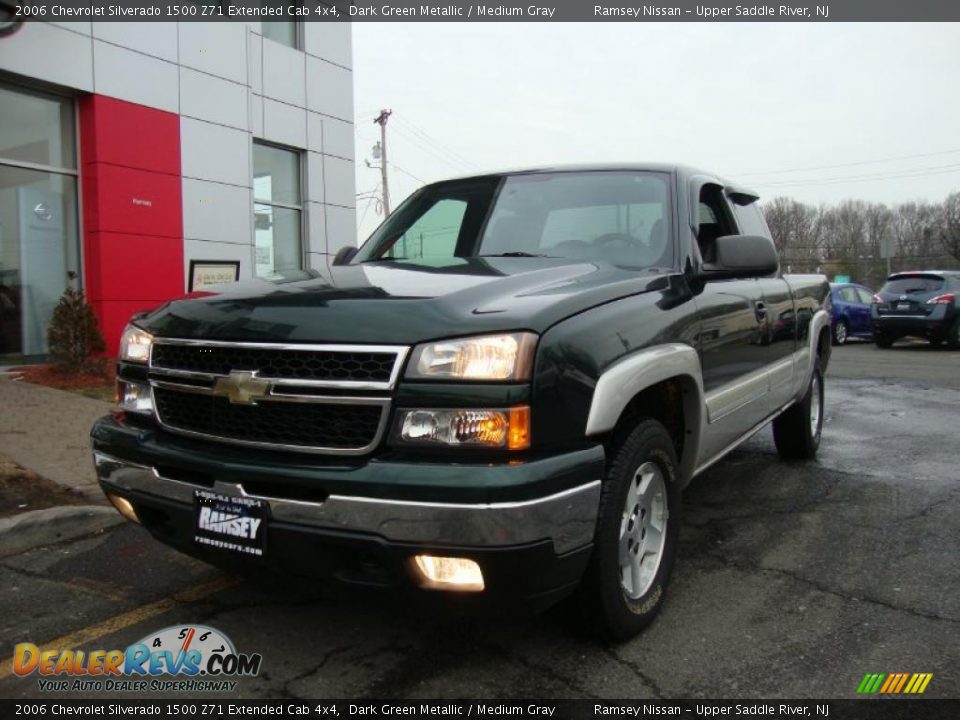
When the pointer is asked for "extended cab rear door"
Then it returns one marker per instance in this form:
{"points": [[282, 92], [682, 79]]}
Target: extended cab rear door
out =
{"points": [[781, 319], [732, 338]]}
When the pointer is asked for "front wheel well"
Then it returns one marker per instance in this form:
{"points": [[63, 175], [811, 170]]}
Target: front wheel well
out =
{"points": [[675, 403]]}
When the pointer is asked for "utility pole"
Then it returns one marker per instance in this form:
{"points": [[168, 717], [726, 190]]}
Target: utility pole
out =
{"points": [[381, 120]]}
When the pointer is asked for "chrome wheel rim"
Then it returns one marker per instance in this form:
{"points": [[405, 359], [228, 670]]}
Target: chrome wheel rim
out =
{"points": [[643, 530], [841, 333], [815, 406]]}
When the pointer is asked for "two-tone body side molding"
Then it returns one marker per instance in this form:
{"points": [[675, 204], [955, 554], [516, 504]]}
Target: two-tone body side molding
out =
{"points": [[623, 380]]}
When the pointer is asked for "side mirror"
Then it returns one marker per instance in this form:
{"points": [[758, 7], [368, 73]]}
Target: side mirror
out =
{"points": [[345, 255], [741, 256]]}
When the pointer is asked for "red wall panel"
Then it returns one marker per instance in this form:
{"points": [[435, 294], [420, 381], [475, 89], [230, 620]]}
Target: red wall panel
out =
{"points": [[132, 209], [133, 201], [123, 133]]}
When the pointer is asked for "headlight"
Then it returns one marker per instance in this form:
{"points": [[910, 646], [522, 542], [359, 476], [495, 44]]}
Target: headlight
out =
{"points": [[486, 357], [135, 344], [508, 429]]}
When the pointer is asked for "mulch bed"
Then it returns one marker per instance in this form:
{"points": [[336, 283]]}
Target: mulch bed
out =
{"points": [[96, 384], [23, 490]]}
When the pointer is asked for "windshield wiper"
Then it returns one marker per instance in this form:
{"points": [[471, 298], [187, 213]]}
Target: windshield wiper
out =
{"points": [[516, 253]]}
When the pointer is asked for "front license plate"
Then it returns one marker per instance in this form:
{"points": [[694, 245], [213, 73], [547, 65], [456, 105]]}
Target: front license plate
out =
{"points": [[903, 306], [236, 524]]}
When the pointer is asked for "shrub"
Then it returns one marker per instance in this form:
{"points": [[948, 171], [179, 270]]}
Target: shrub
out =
{"points": [[74, 335]]}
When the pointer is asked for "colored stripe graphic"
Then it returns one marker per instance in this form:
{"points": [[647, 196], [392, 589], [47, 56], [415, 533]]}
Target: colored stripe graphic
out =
{"points": [[894, 683]]}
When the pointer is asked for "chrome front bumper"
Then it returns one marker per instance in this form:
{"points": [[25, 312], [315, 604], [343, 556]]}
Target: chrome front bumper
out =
{"points": [[567, 518]]}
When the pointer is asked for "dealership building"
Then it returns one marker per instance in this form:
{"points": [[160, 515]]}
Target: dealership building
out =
{"points": [[139, 161]]}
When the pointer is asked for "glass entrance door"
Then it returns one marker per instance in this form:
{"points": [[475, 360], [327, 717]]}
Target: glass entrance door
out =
{"points": [[39, 248]]}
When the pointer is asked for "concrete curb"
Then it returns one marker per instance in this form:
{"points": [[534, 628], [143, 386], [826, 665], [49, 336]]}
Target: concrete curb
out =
{"points": [[37, 528]]}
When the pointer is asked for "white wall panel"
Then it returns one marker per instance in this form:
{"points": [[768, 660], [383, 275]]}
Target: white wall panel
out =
{"points": [[316, 228], [339, 181], [284, 124], [315, 181], [47, 52], [158, 39], [330, 41], [213, 152], [329, 89], [136, 78], [255, 62], [256, 115], [214, 211], [338, 138], [284, 74], [315, 131], [218, 48], [213, 99], [341, 228], [78, 26]]}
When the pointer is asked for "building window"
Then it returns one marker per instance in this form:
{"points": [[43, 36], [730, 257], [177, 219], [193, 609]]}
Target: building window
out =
{"points": [[277, 210], [285, 32], [39, 248]]}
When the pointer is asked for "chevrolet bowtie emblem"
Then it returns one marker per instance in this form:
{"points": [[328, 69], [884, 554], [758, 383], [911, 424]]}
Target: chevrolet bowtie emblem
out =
{"points": [[241, 387]]}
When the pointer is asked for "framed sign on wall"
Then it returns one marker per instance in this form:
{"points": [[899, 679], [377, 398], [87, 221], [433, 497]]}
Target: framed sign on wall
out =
{"points": [[206, 274]]}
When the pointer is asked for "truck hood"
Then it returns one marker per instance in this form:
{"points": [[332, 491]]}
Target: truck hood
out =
{"points": [[403, 303]]}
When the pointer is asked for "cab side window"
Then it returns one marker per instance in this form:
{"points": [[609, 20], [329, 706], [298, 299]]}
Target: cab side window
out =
{"points": [[714, 221], [751, 221]]}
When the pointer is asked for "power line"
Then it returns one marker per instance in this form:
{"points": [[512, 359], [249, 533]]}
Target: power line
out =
{"points": [[919, 172], [850, 164], [448, 160], [410, 174], [429, 138]]}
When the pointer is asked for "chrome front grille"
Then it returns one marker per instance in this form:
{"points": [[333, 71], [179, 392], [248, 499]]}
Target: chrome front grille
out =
{"points": [[332, 399]]}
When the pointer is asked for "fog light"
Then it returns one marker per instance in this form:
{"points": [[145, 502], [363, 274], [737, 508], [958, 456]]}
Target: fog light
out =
{"points": [[449, 573], [134, 397], [124, 507]]}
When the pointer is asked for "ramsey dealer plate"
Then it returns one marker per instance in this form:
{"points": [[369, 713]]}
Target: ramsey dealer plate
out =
{"points": [[237, 524]]}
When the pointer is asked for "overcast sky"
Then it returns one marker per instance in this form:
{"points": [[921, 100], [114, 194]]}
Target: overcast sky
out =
{"points": [[776, 106]]}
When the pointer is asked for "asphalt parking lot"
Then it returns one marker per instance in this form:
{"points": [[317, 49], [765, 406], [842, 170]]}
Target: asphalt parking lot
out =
{"points": [[794, 580]]}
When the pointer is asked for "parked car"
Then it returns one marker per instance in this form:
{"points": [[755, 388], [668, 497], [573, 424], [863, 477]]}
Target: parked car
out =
{"points": [[851, 312], [499, 398], [922, 304]]}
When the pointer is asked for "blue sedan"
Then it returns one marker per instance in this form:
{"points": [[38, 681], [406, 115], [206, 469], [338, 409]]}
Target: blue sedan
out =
{"points": [[851, 312]]}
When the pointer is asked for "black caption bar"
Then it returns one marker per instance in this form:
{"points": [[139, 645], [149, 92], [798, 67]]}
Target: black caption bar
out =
{"points": [[453, 11], [867, 709]]}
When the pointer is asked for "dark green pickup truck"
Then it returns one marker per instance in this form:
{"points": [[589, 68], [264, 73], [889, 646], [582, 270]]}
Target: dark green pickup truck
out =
{"points": [[497, 399]]}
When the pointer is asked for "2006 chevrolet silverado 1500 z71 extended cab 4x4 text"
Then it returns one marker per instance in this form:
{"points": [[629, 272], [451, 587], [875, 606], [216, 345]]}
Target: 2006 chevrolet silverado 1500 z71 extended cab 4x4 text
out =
{"points": [[501, 395]]}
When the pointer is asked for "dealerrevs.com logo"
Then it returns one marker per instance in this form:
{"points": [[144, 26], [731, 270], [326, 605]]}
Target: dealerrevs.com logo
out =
{"points": [[199, 658]]}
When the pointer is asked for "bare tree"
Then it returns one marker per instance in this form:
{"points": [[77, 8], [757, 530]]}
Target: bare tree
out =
{"points": [[950, 225]]}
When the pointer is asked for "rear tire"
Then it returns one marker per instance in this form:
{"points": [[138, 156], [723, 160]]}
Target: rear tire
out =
{"points": [[840, 333], [953, 336], [883, 341], [796, 432], [636, 539]]}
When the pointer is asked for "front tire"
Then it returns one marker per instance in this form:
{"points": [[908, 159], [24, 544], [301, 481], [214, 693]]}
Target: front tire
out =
{"points": [[796, 432], [840, 333], [637, 528]]}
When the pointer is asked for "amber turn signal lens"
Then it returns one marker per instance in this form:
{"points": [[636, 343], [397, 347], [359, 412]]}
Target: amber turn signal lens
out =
{"points": [[518, 434]]}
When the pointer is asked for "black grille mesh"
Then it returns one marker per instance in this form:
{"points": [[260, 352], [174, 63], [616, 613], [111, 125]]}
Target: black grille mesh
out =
{"points": [[288, 423], [276, 363]]}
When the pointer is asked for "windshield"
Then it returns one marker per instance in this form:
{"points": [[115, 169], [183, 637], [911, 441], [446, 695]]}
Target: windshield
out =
{"points": [[913, 284], [619, 217]]}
